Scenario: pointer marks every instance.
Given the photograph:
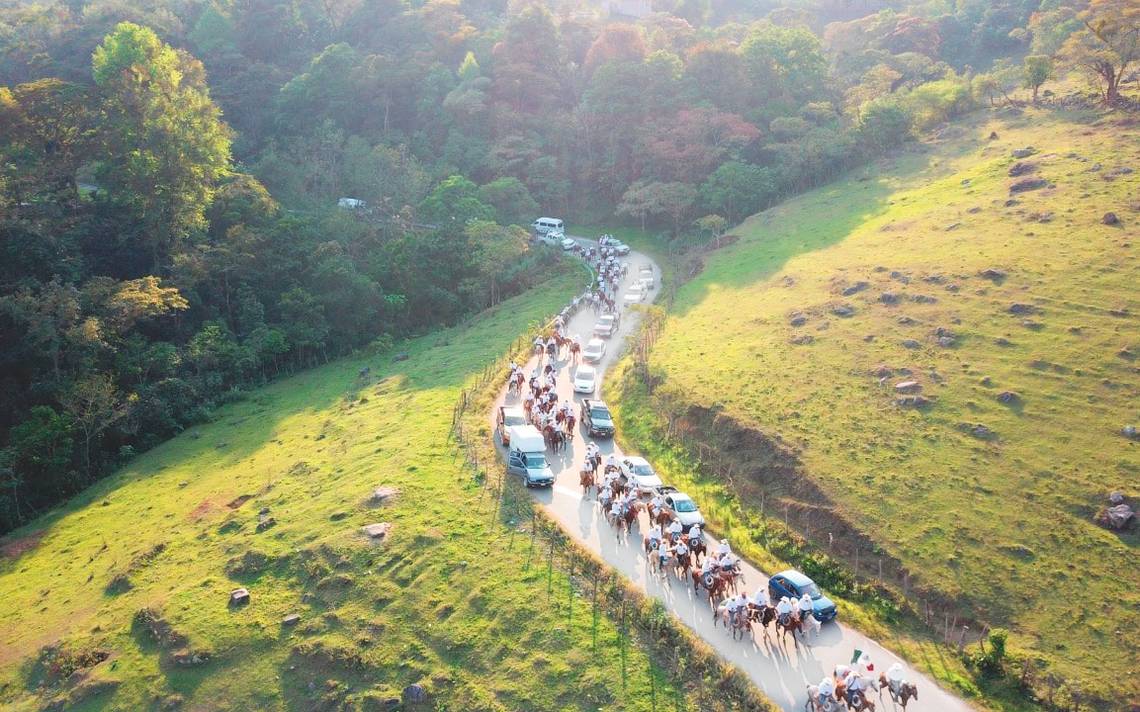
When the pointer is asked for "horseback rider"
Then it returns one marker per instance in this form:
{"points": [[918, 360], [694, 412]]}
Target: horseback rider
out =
{"points": [[656, 504], [784, 611], [826, 691], [723, 548], [895, 678], [615, 509], [682, 552], [694, 534], [675, 529], [741, 607], [605, 496], [760, 599], [727, 563], [733, 605], [807, 608], [655, 536], [855, 684]]}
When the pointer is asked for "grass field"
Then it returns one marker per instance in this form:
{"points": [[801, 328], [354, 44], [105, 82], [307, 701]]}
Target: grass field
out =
{"points": [[794, 339], [441, 602]]}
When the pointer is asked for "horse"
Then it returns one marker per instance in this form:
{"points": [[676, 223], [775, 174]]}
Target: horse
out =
{"points": [[570, 422], [763, 615], [901, 694], [586, 479], [790, 624], [738, 622], [631, 515], [698, 549], [664, 518], [859, 701], [711, 583], [575, 352], [815, 704]]}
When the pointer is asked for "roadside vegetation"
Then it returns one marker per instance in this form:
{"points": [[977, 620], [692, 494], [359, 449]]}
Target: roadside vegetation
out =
{"points": [[930, 362], [120, 599]]}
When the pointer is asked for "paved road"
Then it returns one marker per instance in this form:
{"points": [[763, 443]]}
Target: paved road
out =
{"points": [[781, 672]]}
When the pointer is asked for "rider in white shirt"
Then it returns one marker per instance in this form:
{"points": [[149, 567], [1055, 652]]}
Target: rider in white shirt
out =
{"points": [[615, 509], [707, 566], [784, 608], [807, 608], [675, 530], [657, 502], [761, 598], [723, 548], [681, 550], [826, 688], [695, 533], [655, 533]]}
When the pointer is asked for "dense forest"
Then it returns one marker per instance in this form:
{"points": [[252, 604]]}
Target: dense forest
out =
{"points": [[170, 169]]}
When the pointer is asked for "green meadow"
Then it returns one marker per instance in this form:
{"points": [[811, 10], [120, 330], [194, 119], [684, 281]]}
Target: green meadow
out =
{"points": [[1016, 315], [119, 600]]}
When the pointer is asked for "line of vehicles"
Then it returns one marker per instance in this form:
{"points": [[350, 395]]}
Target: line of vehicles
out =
{"points": [[552, 231], [526, 448]]}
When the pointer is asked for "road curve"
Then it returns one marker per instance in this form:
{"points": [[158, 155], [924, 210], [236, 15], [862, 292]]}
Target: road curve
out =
{"points": [[782, 672]]}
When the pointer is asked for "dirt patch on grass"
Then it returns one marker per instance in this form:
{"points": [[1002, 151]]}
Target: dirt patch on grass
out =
{"points": [[15, 548], [239, 501], [199, 513]]}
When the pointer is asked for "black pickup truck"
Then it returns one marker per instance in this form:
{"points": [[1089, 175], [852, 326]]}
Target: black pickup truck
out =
{"points": [[597, 419]]}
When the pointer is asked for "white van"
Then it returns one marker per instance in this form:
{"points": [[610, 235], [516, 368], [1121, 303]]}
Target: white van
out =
{"points": [[527, 456], [545, 225]]}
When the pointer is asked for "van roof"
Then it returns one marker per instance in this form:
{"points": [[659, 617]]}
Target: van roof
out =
{"points": [[553, 220], [525, 437]]}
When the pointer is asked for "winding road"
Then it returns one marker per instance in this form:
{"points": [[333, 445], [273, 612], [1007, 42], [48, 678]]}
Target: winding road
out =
{"points": [[782, 672]]}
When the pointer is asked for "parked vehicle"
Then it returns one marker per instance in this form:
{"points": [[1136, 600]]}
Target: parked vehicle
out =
{"points": [[545, 225], [568, 244], [640, 475], [586, 378], [793, 584], [595, 416], [595, 351], [508, 417], [620, 248], [683, 507], [527, 456]]}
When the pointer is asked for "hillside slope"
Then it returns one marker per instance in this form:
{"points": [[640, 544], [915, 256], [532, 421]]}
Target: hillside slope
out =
{"points": [[1017, 316], [442, 602]]}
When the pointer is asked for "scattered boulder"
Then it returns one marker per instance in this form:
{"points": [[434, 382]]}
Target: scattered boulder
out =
{"points": [[291, 620], [953, 226], [889, 298], [1021, 168], [993, 135], [856, 288], [923, 299], [1110, 219], [377, 531], [1025, 152], [1011, 203], [1117, 515], [1002, 341], [802, 339], [986, 381], [981, 432], [1032, 324], [797, 319], [381, 495], [945, 341], [1130, 432], [190, 658], [266, 523], [911, 344], [843, 310], [908, 387], [901, 277], [1021, 308], [1027, 184], [402, 356], [974, 210], [1115, 498], [1009, 398], [915, 401], [239, 597], [993, 274], [415, 695], [882, 371], [906, 321]]}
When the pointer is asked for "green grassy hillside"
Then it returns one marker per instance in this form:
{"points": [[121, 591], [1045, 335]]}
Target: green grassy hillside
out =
{"points": [[108, 601], [1018, 315]]}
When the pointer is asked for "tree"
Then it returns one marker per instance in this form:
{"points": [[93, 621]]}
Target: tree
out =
{"points": [[454, 202], [94, 404], [511, 200], [1108, 43], [711, 227], [616, 43], [647, 198], [1037, 70], [687, 147], [737, 189], [884, 123], [164, 145]]}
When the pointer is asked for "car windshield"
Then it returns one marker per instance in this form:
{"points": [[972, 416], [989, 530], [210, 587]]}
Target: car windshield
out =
{"points": [[684, 505], [643, 469], [599, 413], [514, 420], [585, 376], [593, 348], [534, 461], [606, 319], [810, 589]]}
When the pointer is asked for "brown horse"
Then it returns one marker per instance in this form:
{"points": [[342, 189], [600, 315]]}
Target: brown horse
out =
{"points": [[763, 615], [713, 584], [575, 352], [631, 515], [571, 421], [586, 479], [791, 625], [900, 695]]}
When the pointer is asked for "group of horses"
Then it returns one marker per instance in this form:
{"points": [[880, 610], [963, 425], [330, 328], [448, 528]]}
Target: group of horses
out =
{"points": [[900, 691]]}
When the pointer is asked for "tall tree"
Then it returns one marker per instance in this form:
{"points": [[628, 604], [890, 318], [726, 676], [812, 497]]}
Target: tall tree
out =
{"points": [[1037, 69], [1108, 44], [164, 145]]}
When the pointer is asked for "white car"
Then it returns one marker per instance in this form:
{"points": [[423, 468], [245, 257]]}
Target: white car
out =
{"points": [[683, 508], [568, 244], [595, 351], [606, 325], [640, 475], [633, 297], [586, 377], [620, 248]]}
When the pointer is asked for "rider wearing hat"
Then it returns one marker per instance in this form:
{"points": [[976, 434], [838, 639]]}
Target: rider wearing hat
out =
{"points": [[675, 530], [784, 610], [654, 536], [806, 607], [826, 690]]}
